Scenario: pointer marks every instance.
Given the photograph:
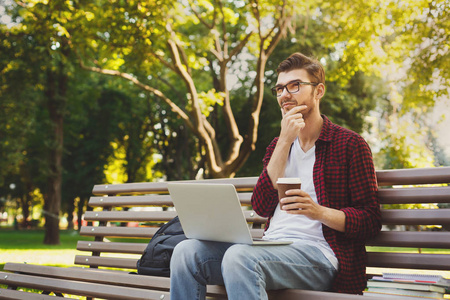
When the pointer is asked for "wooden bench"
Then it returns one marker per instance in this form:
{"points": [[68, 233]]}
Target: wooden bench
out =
{"points": [[126, 216]]}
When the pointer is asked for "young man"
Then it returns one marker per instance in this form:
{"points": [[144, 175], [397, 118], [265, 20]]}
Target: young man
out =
{"points": [[328, 219]]}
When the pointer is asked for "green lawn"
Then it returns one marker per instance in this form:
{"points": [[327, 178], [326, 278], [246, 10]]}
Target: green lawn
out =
{"points": [[26, 246]]}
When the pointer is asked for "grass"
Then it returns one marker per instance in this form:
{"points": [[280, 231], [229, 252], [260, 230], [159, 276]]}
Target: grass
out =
{"points": [[27, 246]]}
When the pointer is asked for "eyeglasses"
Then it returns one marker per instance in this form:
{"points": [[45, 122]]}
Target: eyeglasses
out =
{"points": [[292, 87]]}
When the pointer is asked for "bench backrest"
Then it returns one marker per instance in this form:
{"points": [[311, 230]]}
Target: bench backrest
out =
{"points": [[126, 216]]}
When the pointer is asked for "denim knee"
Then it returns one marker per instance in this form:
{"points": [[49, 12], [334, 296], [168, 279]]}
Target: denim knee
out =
{"points": [[237, 258], [183, 253]]}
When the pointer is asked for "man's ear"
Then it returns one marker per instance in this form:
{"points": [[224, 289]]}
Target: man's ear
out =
{"points": [[320, 90]]}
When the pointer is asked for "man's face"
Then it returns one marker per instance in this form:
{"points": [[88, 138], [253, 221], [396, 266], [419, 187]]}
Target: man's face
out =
{"points": [[304, 96]]}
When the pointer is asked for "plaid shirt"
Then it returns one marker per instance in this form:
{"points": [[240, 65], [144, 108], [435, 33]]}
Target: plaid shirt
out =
{"points": [[344, 179]]}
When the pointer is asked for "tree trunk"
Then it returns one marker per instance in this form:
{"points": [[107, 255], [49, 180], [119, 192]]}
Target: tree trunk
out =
{"points": [[25, 204], [80, 212], [70, 211], [56, 98], [52, 204]]}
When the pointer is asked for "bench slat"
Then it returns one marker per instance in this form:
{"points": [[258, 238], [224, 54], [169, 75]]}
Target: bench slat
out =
{"points": [[130, 201], [134, 216], [409, 260], [415, 195], [316, 295], [413, 239], [110, 262], [391, 216], [80, 288], [149, 216], [102, 276], [138, 232], [147, 200], [111, 247], [424, 239], [121, 278], [413, 176], [19, 295], [134, 232], [387, 196], [416, 216], [241, 184]]}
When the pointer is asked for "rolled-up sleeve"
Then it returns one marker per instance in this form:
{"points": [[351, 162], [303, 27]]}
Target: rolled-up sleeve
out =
{"points": [[363, 218], [265, 196]]}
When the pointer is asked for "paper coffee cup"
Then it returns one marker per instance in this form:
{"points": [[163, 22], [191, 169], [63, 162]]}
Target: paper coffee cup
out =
{"points": [[287, 183]]}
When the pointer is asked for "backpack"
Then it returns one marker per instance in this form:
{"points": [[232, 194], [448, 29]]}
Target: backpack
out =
{"points": [[156, 258]]}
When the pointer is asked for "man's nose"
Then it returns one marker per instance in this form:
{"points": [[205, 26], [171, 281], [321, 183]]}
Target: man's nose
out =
{"points": [[285, 93]]}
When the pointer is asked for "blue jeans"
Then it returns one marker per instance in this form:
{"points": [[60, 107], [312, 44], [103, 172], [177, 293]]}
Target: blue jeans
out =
{"points": [[246, 271]]}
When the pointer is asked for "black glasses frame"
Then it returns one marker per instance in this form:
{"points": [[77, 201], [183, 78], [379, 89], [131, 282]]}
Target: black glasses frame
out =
{"points": [[278, 90]]}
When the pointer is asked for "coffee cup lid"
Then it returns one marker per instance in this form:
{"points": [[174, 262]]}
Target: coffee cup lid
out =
{"points": [[289, 180]]}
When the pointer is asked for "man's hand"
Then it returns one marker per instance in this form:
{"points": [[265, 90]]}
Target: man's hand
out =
{"points": [[300, 202], [292, 123]]}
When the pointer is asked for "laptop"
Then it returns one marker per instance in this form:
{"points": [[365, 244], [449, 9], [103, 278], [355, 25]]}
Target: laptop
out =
{"points": [[213, 212]]}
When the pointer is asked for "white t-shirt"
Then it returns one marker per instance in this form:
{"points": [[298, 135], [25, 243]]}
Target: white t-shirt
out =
{"points": [[284, 226]]}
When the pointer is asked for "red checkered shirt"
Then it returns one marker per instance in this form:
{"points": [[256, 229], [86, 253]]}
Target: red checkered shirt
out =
{"points": [[344, 179]]}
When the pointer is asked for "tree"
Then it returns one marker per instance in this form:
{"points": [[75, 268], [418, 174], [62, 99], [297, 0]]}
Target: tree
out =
{"points": [[48, 72], [347, 101], [405, 43], [171, 40]]}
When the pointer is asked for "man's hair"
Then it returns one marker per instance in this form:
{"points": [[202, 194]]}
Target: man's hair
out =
{"points": [[300, 61]]}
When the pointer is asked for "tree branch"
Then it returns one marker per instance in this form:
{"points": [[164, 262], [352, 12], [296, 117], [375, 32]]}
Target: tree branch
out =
{"points": [[210, 26], [241, 45], [201, 124], [143, 86]]}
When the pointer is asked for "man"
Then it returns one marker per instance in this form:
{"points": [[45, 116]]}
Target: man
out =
{"points": [[328, 219]]}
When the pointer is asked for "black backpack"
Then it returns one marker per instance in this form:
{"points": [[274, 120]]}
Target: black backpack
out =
{"points": [[156, 258]]}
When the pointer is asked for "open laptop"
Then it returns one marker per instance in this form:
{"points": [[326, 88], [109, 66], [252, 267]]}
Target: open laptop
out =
{"points": [[212, 212]]}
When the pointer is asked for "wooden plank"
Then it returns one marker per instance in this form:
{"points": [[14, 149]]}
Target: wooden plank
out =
{"points": [[73, 287], [409, 260], [120, 278], [416, 216], [292, 294], [130, 201], [132, 232], [385, 177], [413, 176], [151, 216], [112, 247], [132, 216], [19, 295], [110, 262], [415, 195], [241, 184], [147, 200], [423, 239]]}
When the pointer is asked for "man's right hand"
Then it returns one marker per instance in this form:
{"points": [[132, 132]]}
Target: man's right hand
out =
{"points": [[291, 124]]}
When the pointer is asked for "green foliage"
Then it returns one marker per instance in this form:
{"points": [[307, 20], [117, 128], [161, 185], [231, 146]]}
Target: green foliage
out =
{"points": [[185, 65], [345, 104]]}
